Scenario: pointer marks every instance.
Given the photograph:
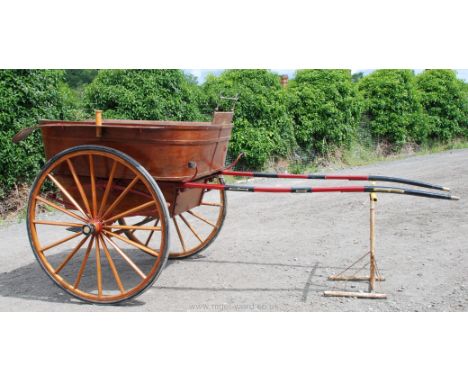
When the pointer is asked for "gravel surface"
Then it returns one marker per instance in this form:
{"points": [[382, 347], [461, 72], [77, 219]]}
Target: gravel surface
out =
{"points": [[276, 251]]}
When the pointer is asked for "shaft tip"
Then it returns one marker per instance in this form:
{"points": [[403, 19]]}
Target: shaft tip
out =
{"points": [[454, 198], [445, 188]]}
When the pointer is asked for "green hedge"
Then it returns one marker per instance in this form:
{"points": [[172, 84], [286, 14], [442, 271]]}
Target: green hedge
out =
{"points": [[263, 129], [325, 108], [444, 100], [392, 106], [318, 112], [166, 94], [27, 96]]}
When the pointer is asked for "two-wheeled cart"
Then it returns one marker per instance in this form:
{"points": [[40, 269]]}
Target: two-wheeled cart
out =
{"points": [[113, 193]]}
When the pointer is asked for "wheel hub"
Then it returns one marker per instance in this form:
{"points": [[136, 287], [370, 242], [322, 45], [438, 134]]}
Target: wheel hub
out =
{"points": [[91, 228]]}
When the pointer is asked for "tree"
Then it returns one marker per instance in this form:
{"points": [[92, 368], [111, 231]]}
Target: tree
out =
{"points": [[76, 78], [27, 96], [392, 106], [445, 101], [165, 94], [357, 76], [262, 127], [325, 108]]}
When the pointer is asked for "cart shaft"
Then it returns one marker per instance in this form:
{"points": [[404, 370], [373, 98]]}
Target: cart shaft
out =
{"points": [[377, 189]]}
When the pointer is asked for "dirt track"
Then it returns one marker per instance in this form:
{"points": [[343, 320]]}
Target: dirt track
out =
{"points": [[276, 251]]}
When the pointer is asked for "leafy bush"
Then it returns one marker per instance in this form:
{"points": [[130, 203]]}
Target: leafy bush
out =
{"points": [[263, 129], [144, 94], [77, 78], [25, 97], [445, 101], [325, 108], [392, 107]]}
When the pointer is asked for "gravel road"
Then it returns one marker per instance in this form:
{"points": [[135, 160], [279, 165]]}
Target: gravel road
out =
{"points": [[276, 251]]}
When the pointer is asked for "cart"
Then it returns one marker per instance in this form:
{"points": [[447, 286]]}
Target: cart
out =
{"points": [[120, 197]]}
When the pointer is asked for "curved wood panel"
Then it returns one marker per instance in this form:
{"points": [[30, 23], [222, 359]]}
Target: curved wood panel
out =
{"points": [[164, 148]]}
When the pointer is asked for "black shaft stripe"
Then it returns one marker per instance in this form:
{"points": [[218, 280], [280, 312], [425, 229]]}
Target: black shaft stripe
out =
{"points": [[406, 181], [301, 189], [274, 175], [313, 176], [264, 175], [405, 191], [229, 187]]}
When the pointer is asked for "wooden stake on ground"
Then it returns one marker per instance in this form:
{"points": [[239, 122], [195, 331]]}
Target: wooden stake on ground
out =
{"points": [[372, 267]]}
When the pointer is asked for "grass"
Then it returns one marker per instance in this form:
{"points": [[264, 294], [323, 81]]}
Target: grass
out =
{"points": [[361, 155]]}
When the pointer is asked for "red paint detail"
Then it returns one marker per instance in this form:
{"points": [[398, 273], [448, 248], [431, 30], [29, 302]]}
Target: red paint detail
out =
{"points": [[237, 173], [348, 177], [339, 189], [203, 185]]}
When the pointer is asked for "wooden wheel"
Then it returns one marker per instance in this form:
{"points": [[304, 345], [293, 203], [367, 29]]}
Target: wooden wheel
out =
{"points": [[73, 208], [193, 231]]}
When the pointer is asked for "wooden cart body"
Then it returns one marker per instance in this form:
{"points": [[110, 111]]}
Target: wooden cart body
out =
{"points": [[172, 152]]}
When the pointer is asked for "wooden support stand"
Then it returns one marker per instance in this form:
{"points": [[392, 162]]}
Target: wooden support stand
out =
{"points": [[374, 274]]}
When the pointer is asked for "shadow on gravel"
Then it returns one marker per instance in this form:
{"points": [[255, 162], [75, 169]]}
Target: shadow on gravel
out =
{"points": [[316, 281], [30, 282]]}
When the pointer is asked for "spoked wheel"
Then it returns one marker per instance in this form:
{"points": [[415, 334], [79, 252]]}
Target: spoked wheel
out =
{"points": [[194, 229], [73, 208]]}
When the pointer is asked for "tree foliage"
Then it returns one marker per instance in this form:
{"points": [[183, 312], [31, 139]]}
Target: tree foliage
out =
{"points": [[444, 99], [165, 94], [325, 108], [263, 129], [392, 106], [77, 78], [27, 96]]}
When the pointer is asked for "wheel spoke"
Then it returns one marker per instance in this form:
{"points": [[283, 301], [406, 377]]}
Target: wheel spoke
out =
{"points": [[134, 243], [108, 188], [60, 224], [93, 187], [151, 233], [179, 234], [191, 228], [67, 194], [130, 211], [126, 258], [201, 218], [79, 185], [98, 268], [61, 241], [211, 204], [83, 264], [112, 266], [144, 221], [133, 228], [120, 197], [53, 205], [71, 254]]}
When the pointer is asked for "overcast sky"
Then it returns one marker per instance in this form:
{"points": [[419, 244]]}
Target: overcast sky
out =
{"points": [[202, 73]]}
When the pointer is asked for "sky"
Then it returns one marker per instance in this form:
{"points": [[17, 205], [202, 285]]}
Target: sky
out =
{"points": [[202, 73]]}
